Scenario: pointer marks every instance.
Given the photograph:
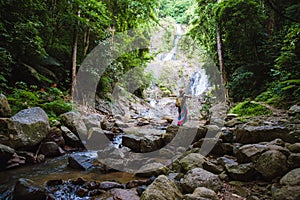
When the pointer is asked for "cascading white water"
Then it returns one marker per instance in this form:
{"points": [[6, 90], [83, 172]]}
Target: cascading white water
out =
{"points": [[198, 83], [171, 55]]}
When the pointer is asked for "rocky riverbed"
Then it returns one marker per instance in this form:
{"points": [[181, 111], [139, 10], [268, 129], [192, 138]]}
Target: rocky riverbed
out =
{"points": [[102, 156]]}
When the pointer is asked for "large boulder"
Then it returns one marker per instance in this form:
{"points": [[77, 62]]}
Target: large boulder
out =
{"points": [[27, 189], [74, 121], [162, 189], [5, 110], [290, 186], [70, 138], [199, 177], [249, 134], [27, 128], [143, 140], [93, 120], [271, 164]]}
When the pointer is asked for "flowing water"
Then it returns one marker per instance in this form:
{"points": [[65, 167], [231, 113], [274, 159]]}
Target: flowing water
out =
{"points": [[198, 83]]}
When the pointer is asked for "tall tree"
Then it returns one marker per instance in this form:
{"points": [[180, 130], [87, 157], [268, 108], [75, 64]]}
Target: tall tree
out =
{"points": [[224, 80]]}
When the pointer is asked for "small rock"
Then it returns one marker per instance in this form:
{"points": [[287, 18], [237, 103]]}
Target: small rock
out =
{"points": [[152, 169], [122, 194], [295, 148], [50, 149], [191, 161], [6, 153], [162, 189], [141, 189], [295, 109], [81, 162], [202, 193], [241, 172], [108, 185], [5, 110], [55, 135], [199, 177], [294, 160]]}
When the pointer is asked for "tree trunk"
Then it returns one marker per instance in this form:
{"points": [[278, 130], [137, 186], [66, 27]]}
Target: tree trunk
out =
{"points": [[86, 41], [74, 56], [224, 80]]}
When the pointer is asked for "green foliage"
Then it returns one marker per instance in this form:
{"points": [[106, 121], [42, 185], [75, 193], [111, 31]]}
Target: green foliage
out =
{"points": [[56, 108], [288, 63], [181, 10], [242, 84], [282, 94], [248, 108], [50, 99]]}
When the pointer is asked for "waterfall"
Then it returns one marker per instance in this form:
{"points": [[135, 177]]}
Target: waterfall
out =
{"points": [[171, 55], [198, 83]]}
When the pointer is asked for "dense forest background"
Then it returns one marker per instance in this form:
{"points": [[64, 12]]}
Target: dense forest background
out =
{"points": [[255, 43]]}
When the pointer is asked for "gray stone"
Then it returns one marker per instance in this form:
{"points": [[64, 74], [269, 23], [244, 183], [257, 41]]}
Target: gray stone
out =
{"points": [[50, 149], [80, 161], [190, 133], [192, 160], [250, 152], [96, 139], [5, 110], [213, 168], [74, 121], [152, 169], [201, 193], [122, 194], [295, 148], [121, 124], [287, 193], [290, 186], [70, 138], [271, 164], [92, 120], [292, 178], [27, 128], [295, 109], [227, 136], [142, 140], [199, 177], [108, 185], [27, 189], [211, 146], [55, 135], [248, 134], [241, 172], [294, 160], [162, 189], [6, 153]]}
